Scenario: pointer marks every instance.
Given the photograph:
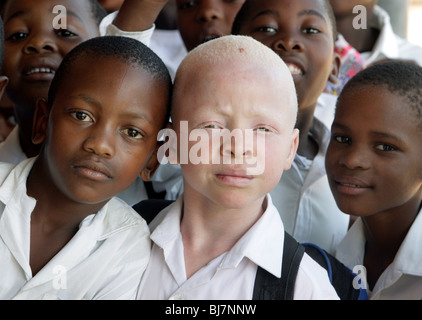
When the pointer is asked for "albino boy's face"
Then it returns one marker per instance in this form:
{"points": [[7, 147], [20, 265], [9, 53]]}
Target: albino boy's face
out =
{"points": [[201, 20], [373, 161], [34, 47], [253, 107], [102, 130]]}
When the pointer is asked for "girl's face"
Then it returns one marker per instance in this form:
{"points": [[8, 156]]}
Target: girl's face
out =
{"points": [[374, 159]]}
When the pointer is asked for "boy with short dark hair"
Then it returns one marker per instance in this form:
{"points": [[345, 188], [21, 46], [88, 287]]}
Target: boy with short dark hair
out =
{"points": [[210, 243], [375, 172], [63, 233], [302, 33]]}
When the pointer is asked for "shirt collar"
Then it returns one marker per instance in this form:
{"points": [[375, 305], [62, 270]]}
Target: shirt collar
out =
{"points": [[262, 244], [386, 45]]}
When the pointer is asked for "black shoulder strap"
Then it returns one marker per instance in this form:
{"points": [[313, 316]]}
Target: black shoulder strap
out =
{"points": [[269, 287], [148, 209]]}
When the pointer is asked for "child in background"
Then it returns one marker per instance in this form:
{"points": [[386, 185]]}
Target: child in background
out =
{"points": [[58, 215], [7, 114], [302, 33], [375, 171], [210, 242]]}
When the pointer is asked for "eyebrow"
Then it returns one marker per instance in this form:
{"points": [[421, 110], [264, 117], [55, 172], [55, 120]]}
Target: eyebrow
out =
{"points": [[99, 106], [20, 13], [310, 12], [372, 133]]}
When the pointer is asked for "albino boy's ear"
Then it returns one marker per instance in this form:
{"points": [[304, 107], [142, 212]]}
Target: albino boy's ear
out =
{"points": [[39, 130], [293, 148], [3, 84], [152, 165], [335, 69]]}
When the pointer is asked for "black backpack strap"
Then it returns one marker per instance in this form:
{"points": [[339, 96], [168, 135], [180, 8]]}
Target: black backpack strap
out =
{"points": [[148, 209], [269, 287], [341, 277]]}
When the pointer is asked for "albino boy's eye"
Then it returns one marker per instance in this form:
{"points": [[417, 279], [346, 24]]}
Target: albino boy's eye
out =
{"points": [[385, 147], [265, 129], [211, 126], [132, 133], [81, 116]]}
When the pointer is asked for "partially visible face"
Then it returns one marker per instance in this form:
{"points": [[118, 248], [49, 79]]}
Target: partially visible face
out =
{"points": [[251, 101], [102, 130], [111, 5], [34, 48], [374, 161], [300, 32], [202, 20], [344, 8]]}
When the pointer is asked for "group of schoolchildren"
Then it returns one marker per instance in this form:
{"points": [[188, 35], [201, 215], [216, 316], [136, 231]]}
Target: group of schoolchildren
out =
{"points": [[338, 112]]}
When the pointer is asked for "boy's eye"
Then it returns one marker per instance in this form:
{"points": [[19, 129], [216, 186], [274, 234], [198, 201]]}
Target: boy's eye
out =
{"points": [[17, 36], [385, 147], [266, 29], [211, 126], [187, 4], [342, 139], [265, 129], [132, 133], [310, 30], [65, 33], [81, 116]]}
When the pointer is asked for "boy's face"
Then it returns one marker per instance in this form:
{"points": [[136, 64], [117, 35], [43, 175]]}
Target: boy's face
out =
{"points": [[300, 32], [374, 161], [251, 101], [34, 47], [102, 129], [202, 20]]}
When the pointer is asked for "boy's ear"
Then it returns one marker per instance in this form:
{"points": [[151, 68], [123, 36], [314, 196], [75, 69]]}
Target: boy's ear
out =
{"points": [[152, 164], [335, 70], [293, 148], [3, 84], [39, 129]]}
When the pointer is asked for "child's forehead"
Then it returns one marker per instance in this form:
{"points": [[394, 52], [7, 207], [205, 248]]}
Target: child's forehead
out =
{"points": [[72, 8]]}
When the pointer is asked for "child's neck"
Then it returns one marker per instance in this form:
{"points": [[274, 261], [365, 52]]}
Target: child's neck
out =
{"points": [[208, 230], [308, 147], [384, 234]]}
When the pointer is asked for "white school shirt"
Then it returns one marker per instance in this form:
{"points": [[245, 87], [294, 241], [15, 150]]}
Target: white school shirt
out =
{"points": [[104, 260], [304, 199], [230, 276], [389, 45], [402, 279]]}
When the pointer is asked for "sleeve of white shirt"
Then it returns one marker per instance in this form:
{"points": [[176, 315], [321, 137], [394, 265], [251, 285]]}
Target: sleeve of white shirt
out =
{"points": [[107, 28]]}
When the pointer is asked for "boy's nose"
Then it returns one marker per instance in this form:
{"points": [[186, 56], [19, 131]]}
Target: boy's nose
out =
{"points": [[209, 10], [287, 43], [40, 44], [237, 145], [354, 158], [100, 143]]}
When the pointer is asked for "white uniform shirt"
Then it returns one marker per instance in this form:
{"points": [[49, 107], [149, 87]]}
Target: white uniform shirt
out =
{"points": [[304, 200], [389, 45], [402, 279], [104, 260], [230, 276]]}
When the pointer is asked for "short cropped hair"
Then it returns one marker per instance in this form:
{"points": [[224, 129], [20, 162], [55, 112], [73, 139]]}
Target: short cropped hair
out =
{"points": [[126, 50], [399, 77], [247, 6]]}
